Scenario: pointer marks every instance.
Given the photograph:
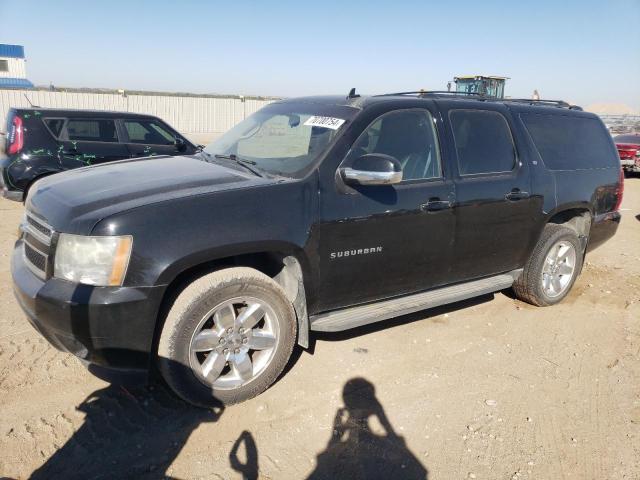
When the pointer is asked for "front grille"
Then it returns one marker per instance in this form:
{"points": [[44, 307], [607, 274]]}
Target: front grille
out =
{"points": [[36, 258], [45, 230], [37, 245]]}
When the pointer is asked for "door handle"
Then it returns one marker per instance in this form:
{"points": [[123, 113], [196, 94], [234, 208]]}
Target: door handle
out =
{"points": [[516, 194], [435, 205]]}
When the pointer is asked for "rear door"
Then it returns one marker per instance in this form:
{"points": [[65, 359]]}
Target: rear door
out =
{"points": [[87, 141], [148, 137], [496, 215]]}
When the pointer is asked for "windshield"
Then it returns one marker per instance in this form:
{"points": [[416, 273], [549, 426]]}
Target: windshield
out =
{"points": [[285, 138]]}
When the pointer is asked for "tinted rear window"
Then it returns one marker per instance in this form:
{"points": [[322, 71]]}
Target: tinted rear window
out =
{"points": [[90, 130], [570, 142]]}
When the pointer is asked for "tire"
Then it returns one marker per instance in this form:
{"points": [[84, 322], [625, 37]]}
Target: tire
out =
{"points": [[535, 285], [229, 295]]}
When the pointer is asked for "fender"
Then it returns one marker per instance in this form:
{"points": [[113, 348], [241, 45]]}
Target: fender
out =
{"points": [[222, 254], [582, 205], [21, 174]]}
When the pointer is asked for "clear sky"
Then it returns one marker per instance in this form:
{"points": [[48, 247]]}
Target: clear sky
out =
{"points": [[584, 51]]}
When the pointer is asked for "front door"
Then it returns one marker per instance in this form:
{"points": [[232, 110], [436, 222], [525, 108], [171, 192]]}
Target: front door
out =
{"points": [[386, 240], [87, 141]]}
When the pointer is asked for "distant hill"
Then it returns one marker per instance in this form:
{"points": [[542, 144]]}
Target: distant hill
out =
{"points": [[611, 109]]}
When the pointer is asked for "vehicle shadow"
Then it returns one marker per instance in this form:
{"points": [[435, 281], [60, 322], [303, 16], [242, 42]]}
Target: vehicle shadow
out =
{"points": [[128, 432], [356, 451], [638, 217]]}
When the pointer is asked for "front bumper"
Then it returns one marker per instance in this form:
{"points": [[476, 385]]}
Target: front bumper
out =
{"points": [[108, 327]]}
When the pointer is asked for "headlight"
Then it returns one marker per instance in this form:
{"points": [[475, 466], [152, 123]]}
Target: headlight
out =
{"points": [[98, 261]]}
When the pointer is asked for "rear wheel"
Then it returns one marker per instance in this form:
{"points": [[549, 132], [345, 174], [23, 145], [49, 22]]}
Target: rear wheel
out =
{"points": [[227, 337], [552, 268]]}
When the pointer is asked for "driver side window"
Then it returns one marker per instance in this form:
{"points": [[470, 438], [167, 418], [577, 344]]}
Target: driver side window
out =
{"points": [[407, 135]]}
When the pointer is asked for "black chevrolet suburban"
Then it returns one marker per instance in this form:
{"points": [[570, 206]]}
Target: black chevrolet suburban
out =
{"points": [[313, 214], [43, 141]]}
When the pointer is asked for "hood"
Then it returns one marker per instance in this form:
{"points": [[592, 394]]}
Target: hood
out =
{"points": [[75, 200]]}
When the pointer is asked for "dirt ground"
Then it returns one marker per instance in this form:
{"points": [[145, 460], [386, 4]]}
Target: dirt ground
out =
{"points": [[493, 389]]}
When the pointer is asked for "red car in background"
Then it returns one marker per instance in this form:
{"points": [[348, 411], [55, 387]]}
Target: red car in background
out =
{"points": [[628, 146]]}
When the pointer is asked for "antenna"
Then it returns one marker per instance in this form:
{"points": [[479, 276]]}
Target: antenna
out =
{"points": [[32, 105], [352, 94]]}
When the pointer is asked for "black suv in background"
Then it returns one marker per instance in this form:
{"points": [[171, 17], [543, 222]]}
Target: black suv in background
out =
{"points": [[313, 214], [40, 142]]}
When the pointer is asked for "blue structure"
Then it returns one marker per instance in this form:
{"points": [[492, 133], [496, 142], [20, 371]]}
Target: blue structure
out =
{"points": [[13, 71]]}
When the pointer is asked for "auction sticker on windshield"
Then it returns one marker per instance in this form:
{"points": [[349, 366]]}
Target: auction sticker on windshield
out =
{"points": [[325, 122]]}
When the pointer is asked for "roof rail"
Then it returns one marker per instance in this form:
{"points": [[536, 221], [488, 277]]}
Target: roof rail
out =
{"points": [[424, 93], [551, 103], [479, 96]]}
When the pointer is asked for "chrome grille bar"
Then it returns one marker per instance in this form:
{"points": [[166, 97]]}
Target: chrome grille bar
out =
{"points": [[34, 255]]}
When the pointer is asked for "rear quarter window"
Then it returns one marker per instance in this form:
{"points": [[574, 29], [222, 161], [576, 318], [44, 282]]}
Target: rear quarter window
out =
{"points": [[570, 142]]}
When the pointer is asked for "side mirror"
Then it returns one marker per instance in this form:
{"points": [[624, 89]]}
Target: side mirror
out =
{"points": [[180, 145], [373, 169]]}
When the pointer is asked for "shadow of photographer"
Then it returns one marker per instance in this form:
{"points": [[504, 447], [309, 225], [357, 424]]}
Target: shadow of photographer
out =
{"points": [[249, 468], [356, 451]]}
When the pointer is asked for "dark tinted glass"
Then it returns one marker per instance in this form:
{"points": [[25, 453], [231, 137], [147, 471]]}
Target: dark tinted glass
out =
{"points": [[4, 65], [634, 138], [407, 135], [483, 142], [54, 125], [146, 131], [89, 130], [570, 142]]}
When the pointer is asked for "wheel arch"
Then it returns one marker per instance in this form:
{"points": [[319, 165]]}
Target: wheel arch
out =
{"points": [[285, 266], [577, 217]]}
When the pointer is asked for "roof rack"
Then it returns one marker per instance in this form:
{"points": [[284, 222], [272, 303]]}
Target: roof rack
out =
{"points": [[479, 96], [551, 103], [424, 93]]}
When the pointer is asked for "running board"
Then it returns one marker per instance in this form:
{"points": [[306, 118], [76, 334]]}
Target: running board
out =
{"points": [[352, 317]]}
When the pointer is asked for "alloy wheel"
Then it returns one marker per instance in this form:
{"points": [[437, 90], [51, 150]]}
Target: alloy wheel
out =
{"points": [[559, 267], [234, 342]]}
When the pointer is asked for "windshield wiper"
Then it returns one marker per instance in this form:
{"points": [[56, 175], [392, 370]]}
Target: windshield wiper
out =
{"points": [[242, 162]]}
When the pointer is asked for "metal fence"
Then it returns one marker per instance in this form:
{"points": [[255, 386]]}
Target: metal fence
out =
{"points": [[196, 116]]}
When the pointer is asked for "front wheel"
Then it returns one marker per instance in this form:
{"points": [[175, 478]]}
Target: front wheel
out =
{"points": [[227, 337], [552, 268]]}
